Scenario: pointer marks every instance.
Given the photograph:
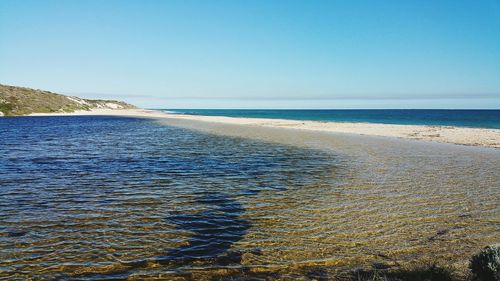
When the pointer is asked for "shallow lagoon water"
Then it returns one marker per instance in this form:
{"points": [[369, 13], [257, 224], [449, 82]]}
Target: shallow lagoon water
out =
{"points": [[108, 197]]}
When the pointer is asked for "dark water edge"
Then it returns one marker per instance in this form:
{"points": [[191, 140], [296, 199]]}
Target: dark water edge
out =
{"points": [[435, 117], [107, 197]]}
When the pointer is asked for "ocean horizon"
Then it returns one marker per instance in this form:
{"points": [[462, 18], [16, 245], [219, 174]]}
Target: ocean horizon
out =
{"points": [[474, 118], [250, 140]]}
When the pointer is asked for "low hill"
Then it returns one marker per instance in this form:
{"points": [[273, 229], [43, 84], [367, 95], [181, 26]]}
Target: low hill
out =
{"points": [[15, 101]]}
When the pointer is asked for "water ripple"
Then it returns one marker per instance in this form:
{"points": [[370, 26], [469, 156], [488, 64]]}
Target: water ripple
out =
{"points": [[110, 198]]}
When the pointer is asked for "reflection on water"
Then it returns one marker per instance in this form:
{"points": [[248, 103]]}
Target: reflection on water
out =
{"points": [[103, 197]]}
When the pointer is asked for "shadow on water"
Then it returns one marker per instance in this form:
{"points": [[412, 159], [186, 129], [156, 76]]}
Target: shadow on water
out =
{"points": [[214, 231], [78, 164]]}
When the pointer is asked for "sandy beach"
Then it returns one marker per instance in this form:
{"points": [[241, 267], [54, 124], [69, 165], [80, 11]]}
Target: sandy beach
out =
{"points": [[444, 134]]}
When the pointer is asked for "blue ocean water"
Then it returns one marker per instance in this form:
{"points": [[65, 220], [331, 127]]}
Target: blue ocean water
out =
{"points": [[461, 118]]}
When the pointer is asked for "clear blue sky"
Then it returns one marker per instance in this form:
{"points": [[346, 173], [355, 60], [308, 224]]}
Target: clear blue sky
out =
{"points": [[258, 53]]}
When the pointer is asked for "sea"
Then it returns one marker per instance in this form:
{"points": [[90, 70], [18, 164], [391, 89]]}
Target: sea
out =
{"points": [[120, 198], [434, 117]]}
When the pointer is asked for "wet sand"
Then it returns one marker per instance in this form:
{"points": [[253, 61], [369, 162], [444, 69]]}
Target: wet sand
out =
{"points": [[444, 134]]}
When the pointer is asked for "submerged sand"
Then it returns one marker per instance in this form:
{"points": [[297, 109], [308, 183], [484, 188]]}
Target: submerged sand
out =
{"points": [[445, 134], [383, 199]]}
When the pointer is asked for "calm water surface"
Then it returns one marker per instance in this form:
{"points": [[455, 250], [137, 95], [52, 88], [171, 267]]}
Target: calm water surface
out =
{"points": [[124, 198]]}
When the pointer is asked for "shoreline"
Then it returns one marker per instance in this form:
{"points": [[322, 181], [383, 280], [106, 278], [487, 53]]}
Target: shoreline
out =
{"points": [[445, 134]]}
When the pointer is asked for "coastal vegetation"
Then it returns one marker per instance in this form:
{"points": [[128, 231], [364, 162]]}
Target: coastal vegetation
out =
{"points": [[484, 266], [16, 101]]}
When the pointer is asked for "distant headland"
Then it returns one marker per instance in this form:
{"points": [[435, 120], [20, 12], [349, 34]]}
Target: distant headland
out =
{"points": [[18, 101]]}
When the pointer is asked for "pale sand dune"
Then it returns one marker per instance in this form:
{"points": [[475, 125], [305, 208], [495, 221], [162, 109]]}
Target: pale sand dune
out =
{"points": [[446, 134]]}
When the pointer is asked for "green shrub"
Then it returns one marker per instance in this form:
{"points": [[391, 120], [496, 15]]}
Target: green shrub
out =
{"points": [[6, 108], [485, 266]]}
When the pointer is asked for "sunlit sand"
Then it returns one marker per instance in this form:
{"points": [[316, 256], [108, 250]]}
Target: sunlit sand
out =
{"points": [[445, 134]]}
